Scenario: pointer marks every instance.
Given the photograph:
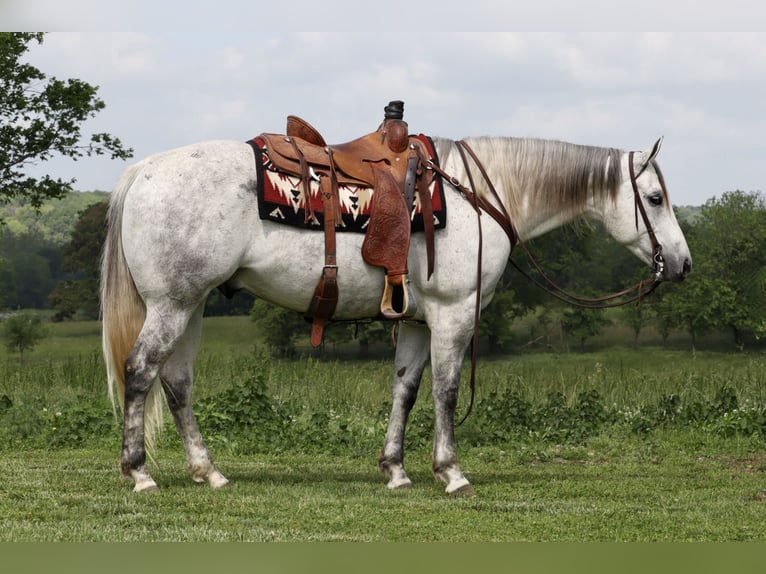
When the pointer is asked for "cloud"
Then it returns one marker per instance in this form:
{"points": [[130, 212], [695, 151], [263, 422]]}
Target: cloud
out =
{"points": [[705, 92]]}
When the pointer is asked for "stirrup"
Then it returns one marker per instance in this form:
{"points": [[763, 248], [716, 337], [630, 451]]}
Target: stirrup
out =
{"points": [[398, 301]]}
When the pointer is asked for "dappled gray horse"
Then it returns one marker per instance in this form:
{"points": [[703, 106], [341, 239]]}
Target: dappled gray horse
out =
{"points": [[186, 221]]}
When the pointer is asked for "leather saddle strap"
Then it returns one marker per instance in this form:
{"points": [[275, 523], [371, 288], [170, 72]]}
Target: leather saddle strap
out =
{"points": [[325, 298], [305, 179], [477, 310], [498, 214], [423, 183]]}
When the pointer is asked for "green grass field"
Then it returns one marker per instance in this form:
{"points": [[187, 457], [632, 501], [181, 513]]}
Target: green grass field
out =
{"points": [[620, 444], [670, 488]]}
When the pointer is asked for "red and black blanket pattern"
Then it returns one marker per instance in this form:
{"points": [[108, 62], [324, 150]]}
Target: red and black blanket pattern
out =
{"points": [[281, 197]]}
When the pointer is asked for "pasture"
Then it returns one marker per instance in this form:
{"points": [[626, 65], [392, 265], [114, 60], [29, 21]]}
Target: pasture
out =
{"points": [[624, 444]]}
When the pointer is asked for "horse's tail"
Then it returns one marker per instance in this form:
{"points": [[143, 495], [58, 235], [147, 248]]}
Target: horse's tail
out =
{"points": [[122, 310]]}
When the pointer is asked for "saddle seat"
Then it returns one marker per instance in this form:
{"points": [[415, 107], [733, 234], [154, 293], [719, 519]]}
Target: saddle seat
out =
{"points": [[352, 160], [390, 162]]}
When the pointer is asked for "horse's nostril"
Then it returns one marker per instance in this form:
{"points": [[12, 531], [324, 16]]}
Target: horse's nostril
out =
{"points": [[687, 266]]}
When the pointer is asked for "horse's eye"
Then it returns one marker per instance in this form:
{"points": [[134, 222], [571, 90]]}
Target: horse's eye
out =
{"points": [[655, 199]]}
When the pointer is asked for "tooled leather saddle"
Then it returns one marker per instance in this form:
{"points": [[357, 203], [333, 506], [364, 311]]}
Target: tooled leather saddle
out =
{"points": [[390, 162]]}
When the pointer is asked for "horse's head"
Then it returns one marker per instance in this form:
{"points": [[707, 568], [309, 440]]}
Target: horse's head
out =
{"points": [[642, 219]]}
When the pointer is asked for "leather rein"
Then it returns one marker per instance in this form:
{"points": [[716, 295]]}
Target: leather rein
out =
{"points": [[501, 216]]}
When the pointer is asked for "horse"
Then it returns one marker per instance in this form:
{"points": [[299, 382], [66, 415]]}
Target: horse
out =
{"points": [[184, 222]]}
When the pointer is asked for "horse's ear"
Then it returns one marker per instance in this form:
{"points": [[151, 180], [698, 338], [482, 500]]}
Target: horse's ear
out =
{"points": [[655, 149], [645, 157]]}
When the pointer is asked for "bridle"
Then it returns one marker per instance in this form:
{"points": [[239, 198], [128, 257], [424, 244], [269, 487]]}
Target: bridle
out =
{"points": [[658, 261], [634, 293], [631, 294], [480, 204]]}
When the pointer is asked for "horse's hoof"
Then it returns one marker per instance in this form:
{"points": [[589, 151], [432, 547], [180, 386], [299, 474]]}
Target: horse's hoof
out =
{"points": [[217, 480], [457, 484], [146, 487], [405, 484], [465, 490]]}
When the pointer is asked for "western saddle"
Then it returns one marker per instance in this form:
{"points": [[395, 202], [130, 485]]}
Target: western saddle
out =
{"points": [[395, 166]]}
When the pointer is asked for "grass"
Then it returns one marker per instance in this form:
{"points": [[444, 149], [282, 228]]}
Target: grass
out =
{"points": [[613, 491], [671, 481]]}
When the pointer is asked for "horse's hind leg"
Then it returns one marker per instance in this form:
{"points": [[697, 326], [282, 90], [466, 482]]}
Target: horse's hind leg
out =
{"points": [[161, 331], [177, 377], [412, 351]]}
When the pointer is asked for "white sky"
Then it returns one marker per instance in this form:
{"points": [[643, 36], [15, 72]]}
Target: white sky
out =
{"points": [[705, 92]]}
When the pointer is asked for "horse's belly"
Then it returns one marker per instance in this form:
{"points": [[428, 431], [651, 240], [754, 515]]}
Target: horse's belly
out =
{"points": [[286, 264]]}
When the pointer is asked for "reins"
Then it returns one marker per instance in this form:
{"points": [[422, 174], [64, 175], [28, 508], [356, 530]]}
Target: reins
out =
{"points": [[501, 216]]}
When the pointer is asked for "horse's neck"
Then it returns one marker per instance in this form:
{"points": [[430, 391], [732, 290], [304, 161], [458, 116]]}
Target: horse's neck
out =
{"points": [[531, 223], [519, 186]]}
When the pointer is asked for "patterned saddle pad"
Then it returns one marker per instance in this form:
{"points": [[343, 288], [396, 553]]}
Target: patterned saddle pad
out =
{"points": [[281, 198]]}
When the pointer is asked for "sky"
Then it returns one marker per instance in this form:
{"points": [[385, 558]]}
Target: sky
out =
{"points": [[183, 78]]}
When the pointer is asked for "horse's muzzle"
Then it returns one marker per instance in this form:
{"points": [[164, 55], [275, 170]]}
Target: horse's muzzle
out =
{"points": [[677, 273]]}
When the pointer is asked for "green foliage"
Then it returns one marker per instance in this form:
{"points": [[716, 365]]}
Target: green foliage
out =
{"points": [[82, 256], [497, 318], [510, 416], [22, 332], [721, 415], [581, 324], [244, 418], [280, 327], [53, 222], [250, 404], [726, 289], [31, 249], [79, 423], [41, 117], [28, 268]]}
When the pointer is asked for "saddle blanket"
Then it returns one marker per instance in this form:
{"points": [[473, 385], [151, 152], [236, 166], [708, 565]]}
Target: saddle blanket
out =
{"points": [[281, 197]]}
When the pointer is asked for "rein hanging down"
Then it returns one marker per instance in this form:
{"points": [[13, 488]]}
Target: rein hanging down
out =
{"points": [[501, 216]]}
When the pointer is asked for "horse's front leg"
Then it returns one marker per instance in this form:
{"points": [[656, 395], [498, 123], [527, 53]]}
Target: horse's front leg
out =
{"points": [[446, 360], [412, 349]]}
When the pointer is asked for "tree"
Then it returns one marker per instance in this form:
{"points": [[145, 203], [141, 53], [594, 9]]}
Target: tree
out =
{"points": [[725, 291], [41, 117], [29, 269], [219, 305], [368, 333], [663, 317], [497, 318], [634, 314], [580, 323], [280, 327], [22, 332], [82, 257]]}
